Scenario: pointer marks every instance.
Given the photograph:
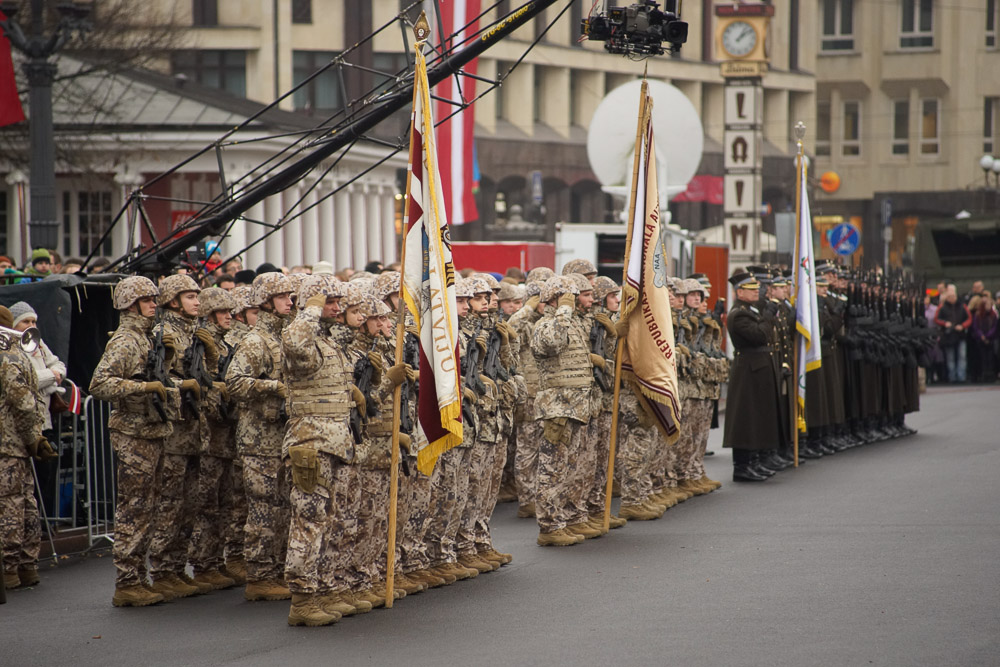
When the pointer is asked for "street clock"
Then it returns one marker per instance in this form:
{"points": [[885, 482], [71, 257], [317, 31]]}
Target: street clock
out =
{"points": [[741, 38]]}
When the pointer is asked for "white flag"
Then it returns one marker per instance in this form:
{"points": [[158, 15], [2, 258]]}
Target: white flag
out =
{"points": [[806, 309]]}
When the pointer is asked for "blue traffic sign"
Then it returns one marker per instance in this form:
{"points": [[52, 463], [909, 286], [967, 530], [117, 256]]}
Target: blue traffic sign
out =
{"points": [[845, 239]]}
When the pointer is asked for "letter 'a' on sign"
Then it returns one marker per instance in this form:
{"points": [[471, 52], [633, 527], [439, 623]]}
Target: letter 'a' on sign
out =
{"points": [[741, 149]]}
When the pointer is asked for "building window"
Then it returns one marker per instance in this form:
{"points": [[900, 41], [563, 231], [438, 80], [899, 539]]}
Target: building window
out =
{"points": [[823, 129], [991, 24], [917, 26], [323, 93], [991, 119], [225, 70], [205, 13], [838, 25], [302, 11], [92, 214], [930, 132], [851, 146], [901, 127]]}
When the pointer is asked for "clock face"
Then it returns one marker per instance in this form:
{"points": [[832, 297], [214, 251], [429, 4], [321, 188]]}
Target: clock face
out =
{"points": [[739, 39]]}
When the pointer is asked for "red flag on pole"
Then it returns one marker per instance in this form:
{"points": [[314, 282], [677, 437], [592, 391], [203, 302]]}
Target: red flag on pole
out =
{"points": [[10, 104], [455, 135]]}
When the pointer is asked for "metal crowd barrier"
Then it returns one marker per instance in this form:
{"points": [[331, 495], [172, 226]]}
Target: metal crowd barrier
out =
{"points": [[79, 490]]}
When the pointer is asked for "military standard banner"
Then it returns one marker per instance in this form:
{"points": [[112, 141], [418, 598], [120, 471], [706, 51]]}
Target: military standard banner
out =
{"points": [[806, 308], [648, 357], [428, 285]]}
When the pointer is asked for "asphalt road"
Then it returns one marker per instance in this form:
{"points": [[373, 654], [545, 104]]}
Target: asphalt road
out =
{"points": [[881, 555]]}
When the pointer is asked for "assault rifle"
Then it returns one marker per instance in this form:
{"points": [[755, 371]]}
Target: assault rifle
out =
{"points": [[411, 356], [492, 367], [471, 377], [193, 365], [598, 335], [364, 373], [156, 369]]}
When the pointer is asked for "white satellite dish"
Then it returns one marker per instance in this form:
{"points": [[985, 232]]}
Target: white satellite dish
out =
{"points": [[677, 132]]}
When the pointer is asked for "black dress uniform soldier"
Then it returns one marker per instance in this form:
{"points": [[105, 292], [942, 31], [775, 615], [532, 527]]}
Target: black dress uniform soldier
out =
{"points": [[752, 415]]}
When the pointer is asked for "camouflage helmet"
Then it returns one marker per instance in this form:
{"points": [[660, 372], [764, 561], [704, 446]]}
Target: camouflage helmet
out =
{"points": [[320, 283], [582, 284], [269, 284], [509, 292], [372, 306], [582, 266], [692, 285], [603, 286], [242, 297], [533, 288], [213, 299], [361, 275], [479, 285], [463, 288], [676, 285], [539, 274], [490, 280], [353, 295], [296, 280], [132, 289], [175, 284], [558, 285], [386, 283]]}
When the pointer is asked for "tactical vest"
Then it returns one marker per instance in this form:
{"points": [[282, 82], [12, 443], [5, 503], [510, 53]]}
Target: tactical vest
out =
{"points": [[325, 393], [571, 367]]}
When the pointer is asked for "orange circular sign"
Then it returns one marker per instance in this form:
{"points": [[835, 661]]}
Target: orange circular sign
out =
{"points": [[830, 182]]}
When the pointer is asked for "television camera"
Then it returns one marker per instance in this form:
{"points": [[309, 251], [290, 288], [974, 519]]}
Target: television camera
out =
{"points": [[639, 29]]}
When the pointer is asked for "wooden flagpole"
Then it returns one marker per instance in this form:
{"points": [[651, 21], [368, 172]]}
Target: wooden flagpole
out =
{"points": [[619, 349], [800, 132], [421, 31]]}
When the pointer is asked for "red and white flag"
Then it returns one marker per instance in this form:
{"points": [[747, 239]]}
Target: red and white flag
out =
{"points": [[455, 135], [428, 285], [10, 104]]}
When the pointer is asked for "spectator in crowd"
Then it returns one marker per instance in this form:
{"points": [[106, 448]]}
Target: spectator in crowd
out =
{"points": [[374, 267], [48, 368], [267, 267], [954, 319], [983, 334], [937, 371], [6, 263], [57, 263], [322, 268], [244, 277], [214, 260], [41, 264], [226, 282], [233, 266], [395, 266], [466, 272], [72, 265], [345, 273], [977, 289], [301, 268], [99, 265], [516, 273]]}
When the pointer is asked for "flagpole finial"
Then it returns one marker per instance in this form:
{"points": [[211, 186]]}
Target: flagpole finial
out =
{"points": [[800, 131], [422, 29]]}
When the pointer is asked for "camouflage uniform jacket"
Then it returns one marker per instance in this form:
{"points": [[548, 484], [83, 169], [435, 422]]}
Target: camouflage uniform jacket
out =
{"points": [[220, 423], [120, 377], [20, 404], [610, 346], [317, 371], [523, 322], [467, 332], [373, 452], [255, 383], [186, 438], [236, 333], [561, 347], [489, 408]]}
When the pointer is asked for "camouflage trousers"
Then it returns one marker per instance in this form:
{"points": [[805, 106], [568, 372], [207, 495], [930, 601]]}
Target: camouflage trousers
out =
{"points": [[235, 517], [558, 488], [507, 481], [596, 479], [484, 537], [175, 511], [529, 435], [415, 495], [479, 474], [371, 538], [136, 499], [266, 532], [449, 488], [20, 529], [213, 500], [696, 421], [635, 452], [322, 529]]}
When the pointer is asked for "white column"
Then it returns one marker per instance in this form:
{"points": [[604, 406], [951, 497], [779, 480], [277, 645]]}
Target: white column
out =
{"points": [[359, 227], [17, 246], [292, 231], [274, 245], [252, 231], [342, 229], [373, 222], [325, 223], [310, 226], [121, 240], [390, 244]]}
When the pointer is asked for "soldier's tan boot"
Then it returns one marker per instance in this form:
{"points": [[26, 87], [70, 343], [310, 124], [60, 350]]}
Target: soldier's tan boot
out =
{"points": [[333, 603], [382, 590], [637, 513], [136, 595], [11, 580], [441, 571], [172, 588], [711, 482], [680, 493], [526, 511], [236, 569], [431, 578], [362, 606], [585, 529], [558, 538], [201, 586], [460, 572], [471, 562], [215, 579], [306, 610], [653, 507], [28, 576], [266, 589], [692, 486], [493, 554], [598, 524], [597, 520], [409, 586], [371, 598]]}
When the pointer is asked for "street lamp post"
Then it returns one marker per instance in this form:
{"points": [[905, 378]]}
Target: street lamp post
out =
{"points": [[38, 48]]}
